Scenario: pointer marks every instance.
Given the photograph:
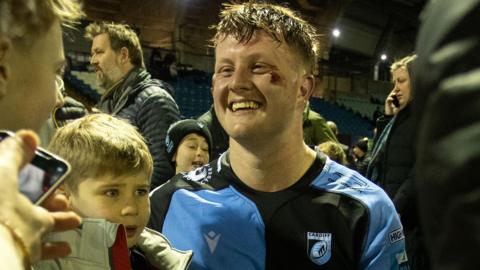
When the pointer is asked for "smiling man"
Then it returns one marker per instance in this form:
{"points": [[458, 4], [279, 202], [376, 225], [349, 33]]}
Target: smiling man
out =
{"points": [[271, 202], [130, 92]]}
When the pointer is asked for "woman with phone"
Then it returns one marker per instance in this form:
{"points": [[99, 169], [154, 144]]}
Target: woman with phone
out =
{"points": [[393, 157]]}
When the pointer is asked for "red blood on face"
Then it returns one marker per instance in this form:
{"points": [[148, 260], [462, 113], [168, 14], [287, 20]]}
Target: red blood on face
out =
{"points": [[274, 77]]}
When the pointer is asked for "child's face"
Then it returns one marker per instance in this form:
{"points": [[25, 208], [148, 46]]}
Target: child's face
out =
{"points": [[191, 153], [121, 200]]}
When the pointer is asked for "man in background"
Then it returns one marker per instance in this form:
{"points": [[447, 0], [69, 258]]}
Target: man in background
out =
{"points": [[130, 92]]}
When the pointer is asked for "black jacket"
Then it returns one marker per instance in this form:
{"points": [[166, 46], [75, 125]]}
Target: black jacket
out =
{"points": [[220, 139], [448, 99], [147, 104], [396, 166]]}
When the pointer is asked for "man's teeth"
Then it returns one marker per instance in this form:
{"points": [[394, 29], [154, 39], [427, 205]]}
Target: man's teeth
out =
{"points": [[244, 105]]}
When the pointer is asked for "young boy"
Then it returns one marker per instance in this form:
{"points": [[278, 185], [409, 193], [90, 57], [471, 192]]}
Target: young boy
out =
{"points": [[110, 179], [188, 145]]}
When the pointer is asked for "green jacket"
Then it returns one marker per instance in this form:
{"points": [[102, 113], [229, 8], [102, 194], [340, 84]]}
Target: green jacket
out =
{"points": [[315, 129]]}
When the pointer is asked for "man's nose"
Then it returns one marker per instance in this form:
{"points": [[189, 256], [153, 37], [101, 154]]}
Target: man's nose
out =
{"points": [[240, 80], [93, 60]]}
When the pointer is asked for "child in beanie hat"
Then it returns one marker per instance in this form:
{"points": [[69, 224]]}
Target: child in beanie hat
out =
{"points": [[188, 145]]}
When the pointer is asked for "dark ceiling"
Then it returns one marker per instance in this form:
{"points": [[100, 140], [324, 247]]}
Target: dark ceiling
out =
{"points": [[368, 27]]}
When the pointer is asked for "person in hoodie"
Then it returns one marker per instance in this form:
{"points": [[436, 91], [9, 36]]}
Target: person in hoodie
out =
{"points": [[110, 180], [130, 92]]}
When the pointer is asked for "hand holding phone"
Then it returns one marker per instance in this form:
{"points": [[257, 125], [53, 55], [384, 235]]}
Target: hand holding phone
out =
{"points": [[395, 101], [39, 178], [30, 221]]}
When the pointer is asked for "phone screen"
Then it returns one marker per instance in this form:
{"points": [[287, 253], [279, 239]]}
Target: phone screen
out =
{"points": [[42, 175], [38, 177]]}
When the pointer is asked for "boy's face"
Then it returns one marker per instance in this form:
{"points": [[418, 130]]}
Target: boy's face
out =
{"points": [[121, 200], [192, 153]]}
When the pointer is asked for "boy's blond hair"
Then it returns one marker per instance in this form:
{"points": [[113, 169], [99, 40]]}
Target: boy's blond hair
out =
{"points": [[334, 151], [98, 145]]}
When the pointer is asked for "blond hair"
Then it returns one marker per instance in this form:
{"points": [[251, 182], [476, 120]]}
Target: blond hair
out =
{"points": [[241, 21], [23, 20], [100, 144], [334, 151], [120, 36], [403, 63]]}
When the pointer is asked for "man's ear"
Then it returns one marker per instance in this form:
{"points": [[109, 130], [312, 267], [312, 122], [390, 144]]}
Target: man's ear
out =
{"points": [[124, 55], [307, 87], [5, 47]]}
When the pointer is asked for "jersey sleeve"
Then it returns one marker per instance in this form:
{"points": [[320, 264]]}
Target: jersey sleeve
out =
{"points": [[384, 246]]}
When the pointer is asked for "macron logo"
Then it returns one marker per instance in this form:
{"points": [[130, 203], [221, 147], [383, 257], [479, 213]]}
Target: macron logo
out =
{"points": [[212, 240]]}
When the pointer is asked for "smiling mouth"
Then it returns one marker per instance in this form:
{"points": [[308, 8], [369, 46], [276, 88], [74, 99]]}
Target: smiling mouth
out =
{"points": [[244, 105]]}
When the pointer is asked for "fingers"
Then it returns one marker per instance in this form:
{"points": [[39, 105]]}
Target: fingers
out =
{"points": [[65, 221], [17, 151], [57, 205], [52, 250], [33, 222], [55, 202], [29, 138]]}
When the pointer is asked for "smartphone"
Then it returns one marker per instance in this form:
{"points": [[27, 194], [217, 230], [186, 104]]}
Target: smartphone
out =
{"points": [[44, 173], [395, 101]]}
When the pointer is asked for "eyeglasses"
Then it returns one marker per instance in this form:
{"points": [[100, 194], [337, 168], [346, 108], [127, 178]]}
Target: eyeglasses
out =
{"points": [[59, 85]]}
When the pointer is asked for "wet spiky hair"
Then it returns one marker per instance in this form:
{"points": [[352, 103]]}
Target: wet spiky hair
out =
{"points": [[241, 21]]}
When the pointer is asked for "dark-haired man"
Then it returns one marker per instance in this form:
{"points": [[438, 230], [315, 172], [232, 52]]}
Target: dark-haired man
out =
{"points": [[270, 201], [130, 92]]}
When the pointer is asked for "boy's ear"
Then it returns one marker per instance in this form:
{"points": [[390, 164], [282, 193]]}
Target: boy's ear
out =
{"points": [[5, 47], [174, 157]]}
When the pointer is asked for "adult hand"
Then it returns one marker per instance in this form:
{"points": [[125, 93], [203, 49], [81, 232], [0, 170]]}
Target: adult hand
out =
{"points": [[63, 220], [390, 109], [29, 221]]}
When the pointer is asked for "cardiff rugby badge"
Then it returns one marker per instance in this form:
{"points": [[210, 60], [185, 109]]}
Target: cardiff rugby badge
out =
{"points": [[319, 247]]}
